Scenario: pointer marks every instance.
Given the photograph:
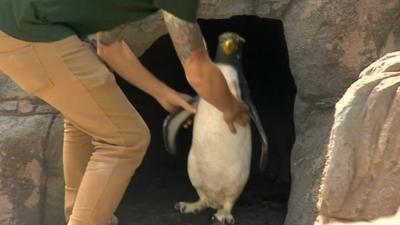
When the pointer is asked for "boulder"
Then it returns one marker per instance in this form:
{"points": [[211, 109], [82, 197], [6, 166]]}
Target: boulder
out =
{"points": [[22, 170], [361, 177]]}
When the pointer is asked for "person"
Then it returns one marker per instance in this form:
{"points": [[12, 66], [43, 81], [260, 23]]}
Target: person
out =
{"points": [[105, 139]]}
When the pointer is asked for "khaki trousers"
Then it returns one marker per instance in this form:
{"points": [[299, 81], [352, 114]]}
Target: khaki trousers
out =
{"points": [[105, 139]]}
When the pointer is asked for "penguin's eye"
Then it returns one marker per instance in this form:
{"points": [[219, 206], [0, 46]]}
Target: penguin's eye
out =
{"points": [[229, 46]]}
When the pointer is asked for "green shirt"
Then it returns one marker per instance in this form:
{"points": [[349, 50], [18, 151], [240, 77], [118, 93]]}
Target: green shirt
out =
{"points": [[51, 20]]}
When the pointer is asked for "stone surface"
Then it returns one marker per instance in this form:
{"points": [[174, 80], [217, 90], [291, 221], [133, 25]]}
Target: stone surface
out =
{"points": [[361, 178], [54, 147], [9, 90], [45, 109], [21, 168], [25, 106], [8, 106], [313, 124], [330, 42], [6, 209], [387, 220], [224, 9], [54, 199], [393, 39], [53, 209]]}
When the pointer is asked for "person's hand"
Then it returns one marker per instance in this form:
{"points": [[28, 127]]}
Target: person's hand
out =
{"points": [[239, 113], [171, 100]]}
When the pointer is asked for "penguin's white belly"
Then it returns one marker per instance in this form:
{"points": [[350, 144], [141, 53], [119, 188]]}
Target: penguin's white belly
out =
{"points": [[219, 161]]}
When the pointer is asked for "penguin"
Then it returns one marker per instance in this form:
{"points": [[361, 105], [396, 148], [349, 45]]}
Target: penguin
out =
{"points": [[219, 161]]}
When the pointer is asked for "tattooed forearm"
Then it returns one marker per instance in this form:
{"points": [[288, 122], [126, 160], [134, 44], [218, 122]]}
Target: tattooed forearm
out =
{"points": [[109, 37], [186, 36]]}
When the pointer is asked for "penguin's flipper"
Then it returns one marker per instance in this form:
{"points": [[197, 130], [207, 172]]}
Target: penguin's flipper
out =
{"points": [[172, 125], [244, 87], [264, 142]]}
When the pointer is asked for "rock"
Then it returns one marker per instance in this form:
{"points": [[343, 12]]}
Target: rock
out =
{"points": [[6, 209], [307, 161], [388, 220], [22, 146], [9, 90], [54, 201], [271, 9], [330, 42], [54, 147], [393, 39], [8, 106], [45, 109], [361, 178], [25, 106], [224, 9]]}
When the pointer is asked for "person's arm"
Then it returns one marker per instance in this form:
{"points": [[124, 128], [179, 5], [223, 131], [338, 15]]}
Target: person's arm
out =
{"points": [[202, 74], [117, 54]]}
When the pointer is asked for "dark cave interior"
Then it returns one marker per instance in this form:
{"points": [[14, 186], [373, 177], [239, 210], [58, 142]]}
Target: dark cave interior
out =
{"points": [[162, 179]]}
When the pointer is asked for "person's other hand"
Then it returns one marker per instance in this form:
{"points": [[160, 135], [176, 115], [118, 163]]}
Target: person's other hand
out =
{"points": [[171, 100], [239, 113]]}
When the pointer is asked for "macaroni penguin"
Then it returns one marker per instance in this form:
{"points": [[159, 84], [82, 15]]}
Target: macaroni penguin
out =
{"points": [[219, 161]]}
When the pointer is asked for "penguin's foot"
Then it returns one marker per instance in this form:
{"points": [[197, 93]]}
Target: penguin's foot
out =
{"points": [[223, 217], [187, 207]]}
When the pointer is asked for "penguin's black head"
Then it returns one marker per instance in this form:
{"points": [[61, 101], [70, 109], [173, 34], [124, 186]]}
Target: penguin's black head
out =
{"points": [[231, 43]]}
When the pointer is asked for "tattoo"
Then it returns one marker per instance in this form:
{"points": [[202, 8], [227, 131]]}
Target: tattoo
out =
{"points": [[186, 36], [109, 37]]}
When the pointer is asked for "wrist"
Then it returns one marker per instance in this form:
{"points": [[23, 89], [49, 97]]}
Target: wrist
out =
{"points": [[230, 105], [160, 91]]}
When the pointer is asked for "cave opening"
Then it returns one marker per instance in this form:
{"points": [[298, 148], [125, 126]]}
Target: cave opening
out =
{"points": [[162, 179]]}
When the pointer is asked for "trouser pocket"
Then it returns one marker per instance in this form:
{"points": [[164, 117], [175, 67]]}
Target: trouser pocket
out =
{"points": [[18, 59]]}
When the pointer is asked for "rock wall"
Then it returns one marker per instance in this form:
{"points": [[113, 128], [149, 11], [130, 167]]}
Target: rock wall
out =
{"points": [[329, 42], [362, 170], [30, 140]]}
